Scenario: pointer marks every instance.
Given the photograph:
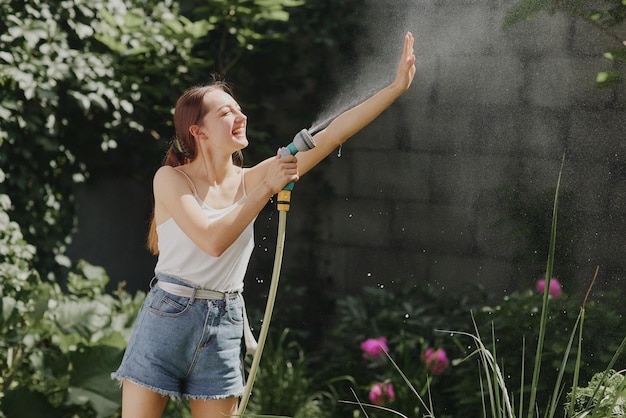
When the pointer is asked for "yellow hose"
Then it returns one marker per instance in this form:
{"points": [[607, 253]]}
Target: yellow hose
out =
{"points": [[269, 307]]}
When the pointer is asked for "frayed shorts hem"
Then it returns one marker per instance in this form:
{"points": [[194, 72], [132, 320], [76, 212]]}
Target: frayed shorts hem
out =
{"points": [[172, 394]]}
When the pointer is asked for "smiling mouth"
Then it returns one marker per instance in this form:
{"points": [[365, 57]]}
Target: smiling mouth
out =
{"points": [[239, 132]]}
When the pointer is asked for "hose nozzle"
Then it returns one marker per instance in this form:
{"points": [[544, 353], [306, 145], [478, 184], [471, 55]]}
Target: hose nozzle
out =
{"points": [[303, 141]]}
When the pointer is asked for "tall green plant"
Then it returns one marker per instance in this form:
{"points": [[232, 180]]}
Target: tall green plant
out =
{"points": [[546, 298], [489, 362]]}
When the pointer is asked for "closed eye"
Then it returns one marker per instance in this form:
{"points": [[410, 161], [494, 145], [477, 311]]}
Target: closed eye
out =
{"points": [[227, 110]]}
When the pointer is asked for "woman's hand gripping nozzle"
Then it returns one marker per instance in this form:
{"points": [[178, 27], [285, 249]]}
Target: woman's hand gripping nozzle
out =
{"points": [[303, 141]]}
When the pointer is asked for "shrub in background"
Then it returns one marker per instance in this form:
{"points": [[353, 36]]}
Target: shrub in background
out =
{"points": [[402, 321], [284, 384], [58, 348], [604, 396], [514, 323], [409, 319]]}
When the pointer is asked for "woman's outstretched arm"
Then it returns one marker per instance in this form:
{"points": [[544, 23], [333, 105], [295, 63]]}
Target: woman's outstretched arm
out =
{"points": [[353, 120]]}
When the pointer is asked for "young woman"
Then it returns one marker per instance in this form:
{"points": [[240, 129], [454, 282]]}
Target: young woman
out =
{"points": [[187, 338]]}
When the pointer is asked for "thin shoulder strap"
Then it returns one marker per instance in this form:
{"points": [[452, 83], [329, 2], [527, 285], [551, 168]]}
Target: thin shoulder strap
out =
{"points": [[195, 191], [243, 181]]}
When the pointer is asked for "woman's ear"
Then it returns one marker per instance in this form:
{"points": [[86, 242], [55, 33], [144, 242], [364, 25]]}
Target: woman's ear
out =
{"points": [[195, 130]]}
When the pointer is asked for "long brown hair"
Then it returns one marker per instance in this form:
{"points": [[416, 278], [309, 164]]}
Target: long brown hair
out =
{"points": [[189, 110]]}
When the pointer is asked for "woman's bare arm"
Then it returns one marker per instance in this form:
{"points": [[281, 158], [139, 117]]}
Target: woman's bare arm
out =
{"points": [[353, 120]]}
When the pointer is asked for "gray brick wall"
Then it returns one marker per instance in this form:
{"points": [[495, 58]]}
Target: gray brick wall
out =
{"points": [[415, 196]]}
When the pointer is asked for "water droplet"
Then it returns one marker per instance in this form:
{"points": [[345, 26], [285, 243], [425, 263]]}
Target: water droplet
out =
{"points": [[339, 151]]}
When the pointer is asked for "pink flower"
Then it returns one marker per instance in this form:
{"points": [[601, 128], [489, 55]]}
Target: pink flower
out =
{"points": [[374, 347], [436, 360], [555, 287], [381, 392]]}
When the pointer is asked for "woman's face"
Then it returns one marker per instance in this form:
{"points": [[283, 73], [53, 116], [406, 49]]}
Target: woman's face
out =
{"points": [[224, 125]]}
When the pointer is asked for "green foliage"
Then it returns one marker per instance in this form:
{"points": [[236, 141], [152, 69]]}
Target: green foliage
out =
{"points": [[607, 16], [283, 384], [513, 322], [58, 348], [604, 396], [410, 317]]}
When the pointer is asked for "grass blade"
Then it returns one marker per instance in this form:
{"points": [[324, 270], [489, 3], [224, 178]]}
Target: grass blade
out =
{"points": [[546, 294], [489, 364], [410, 385]]}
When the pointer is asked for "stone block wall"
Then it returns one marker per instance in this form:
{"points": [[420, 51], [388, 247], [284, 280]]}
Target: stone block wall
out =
{"points": [[418, 194]]}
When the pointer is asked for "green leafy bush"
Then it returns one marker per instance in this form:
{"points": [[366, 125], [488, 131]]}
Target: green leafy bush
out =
{"points": [[604, 396], [284, 386], [410, 319], [58, 347], [408, 316], [510, 329]]}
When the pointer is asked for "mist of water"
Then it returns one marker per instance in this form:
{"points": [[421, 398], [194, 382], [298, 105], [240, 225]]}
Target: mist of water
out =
{"points": [[375, 64], [489, 111]]}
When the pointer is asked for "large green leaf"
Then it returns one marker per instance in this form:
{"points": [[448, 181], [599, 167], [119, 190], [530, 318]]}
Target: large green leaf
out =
{"points": [[24, 403], [90, 381], [78, 320]]}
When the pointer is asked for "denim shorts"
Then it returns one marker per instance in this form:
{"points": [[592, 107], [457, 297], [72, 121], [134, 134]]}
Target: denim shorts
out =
{"points": [[184, 347]]}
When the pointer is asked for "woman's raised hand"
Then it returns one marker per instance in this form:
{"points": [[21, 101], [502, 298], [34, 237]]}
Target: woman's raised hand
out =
{"points": [[406, 67]]}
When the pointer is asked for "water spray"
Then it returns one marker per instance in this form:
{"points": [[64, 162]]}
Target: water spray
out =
{"points": [[303, 141]]}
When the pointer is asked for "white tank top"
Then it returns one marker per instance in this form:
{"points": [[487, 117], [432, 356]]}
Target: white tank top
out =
{"points": [[180, 257]]}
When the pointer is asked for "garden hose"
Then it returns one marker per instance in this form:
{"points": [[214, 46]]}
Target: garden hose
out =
{"points": [[303, 141]]}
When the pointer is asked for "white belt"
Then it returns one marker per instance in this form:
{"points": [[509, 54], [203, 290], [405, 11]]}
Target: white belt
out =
{"points": [[190, 292]]}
